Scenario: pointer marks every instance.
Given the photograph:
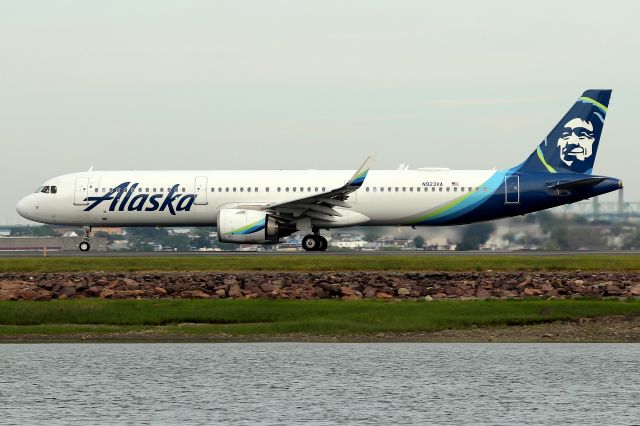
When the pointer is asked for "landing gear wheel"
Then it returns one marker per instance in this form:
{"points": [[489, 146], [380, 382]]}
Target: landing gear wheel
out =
{"points": [[84, 246], [323, 243], [310, 243]]}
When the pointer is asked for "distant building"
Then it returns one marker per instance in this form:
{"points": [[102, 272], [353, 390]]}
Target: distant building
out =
{"points": [[358, 244], [111, 231]]}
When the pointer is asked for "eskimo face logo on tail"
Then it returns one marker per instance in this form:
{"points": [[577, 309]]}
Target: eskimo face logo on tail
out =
{"points": [[122, 198], [576, 141]]}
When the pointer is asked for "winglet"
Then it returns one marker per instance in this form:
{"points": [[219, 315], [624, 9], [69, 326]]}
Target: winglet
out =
{"points": [[358, 178]]}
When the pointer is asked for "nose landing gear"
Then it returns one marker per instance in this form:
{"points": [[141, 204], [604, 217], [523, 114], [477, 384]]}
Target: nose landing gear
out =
{"points": [[84, 245]]}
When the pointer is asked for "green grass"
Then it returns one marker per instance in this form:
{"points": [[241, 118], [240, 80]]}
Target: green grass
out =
{"points": [[327, 263], [268, 317]]}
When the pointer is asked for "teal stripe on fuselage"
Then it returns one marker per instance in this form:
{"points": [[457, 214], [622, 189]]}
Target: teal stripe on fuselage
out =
{"points": [[472, 201]]}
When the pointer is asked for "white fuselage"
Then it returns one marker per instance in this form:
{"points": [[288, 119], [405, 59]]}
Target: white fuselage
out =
{"points": [[387, 197]]}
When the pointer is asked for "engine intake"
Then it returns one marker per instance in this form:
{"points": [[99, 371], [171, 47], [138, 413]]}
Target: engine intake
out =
{"points": [[249, 226]]}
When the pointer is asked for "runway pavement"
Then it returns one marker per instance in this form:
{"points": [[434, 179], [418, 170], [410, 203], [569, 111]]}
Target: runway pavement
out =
{"points": [[32, 254]]}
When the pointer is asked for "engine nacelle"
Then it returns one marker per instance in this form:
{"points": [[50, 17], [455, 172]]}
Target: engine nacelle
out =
{"points": [[247, 226]]}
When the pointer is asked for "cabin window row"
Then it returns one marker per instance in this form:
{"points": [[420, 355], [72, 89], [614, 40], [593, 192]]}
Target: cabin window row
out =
{"points": [[268, 189], [425, 189], [224, 189], [140, 189]]}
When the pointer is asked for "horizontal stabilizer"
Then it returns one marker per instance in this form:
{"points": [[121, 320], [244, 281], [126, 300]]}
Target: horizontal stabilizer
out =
{"points": [[579, 184]]}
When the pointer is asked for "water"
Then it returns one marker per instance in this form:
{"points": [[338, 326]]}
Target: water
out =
{"points": [[317, 383]]}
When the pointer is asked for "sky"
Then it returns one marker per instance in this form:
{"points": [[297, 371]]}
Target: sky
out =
{"points": [[154, 85]]}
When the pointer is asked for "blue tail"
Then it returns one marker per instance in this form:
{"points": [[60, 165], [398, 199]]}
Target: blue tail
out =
{"points": [[572, 144]]}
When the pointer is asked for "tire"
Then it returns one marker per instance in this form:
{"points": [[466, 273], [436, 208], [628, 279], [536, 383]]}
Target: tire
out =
{"points": [[323, 243], [310, 243], [84, 246]]}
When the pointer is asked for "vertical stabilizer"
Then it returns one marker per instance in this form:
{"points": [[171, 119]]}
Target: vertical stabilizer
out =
{"points": [[572, 144]]}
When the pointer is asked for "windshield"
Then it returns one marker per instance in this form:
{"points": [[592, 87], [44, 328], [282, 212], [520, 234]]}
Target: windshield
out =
{"points": [[47, 189]]}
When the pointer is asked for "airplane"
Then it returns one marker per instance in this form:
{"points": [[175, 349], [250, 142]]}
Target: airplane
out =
{"points": [[262, 206]]}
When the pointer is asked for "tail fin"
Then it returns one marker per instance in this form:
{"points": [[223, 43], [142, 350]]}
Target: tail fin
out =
{"points": [[572, 144]]}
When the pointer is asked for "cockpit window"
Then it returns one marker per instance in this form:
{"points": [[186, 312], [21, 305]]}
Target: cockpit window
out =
{"points": [[54, 189], [45, 189]]}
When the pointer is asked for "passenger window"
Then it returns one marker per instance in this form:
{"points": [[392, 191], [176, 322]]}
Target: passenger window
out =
{"points": [[440, 188], [104, 189], [154, 190], [248, 189], [54, 189], [183, 189], [455, 189], [279, 189], [404, 189], [323, 189], [417, 189], [287, 189], [213, 190], [226, 189], [397, 189], [219, 189], [470, 189], [256, 189], [241, 189], [96, 189], [234, 189], [433, 189], [411, 189], [294, 189], [308, 189], [266, 189], [316, 188], [462, 189], [448, 189], [161, 189], [485, 189], [374, 188], [382, 189], [389, 189], [367, 189]]}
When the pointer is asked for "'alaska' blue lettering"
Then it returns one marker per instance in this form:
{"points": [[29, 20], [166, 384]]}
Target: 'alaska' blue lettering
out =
{"points": [[122, 198], [168, 202]]}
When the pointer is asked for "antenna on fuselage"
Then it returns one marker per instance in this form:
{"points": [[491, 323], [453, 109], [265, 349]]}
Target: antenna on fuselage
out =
{"points": [[91, 168]]}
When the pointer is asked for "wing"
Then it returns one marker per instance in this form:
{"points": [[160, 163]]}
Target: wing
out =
{"points": [[321, 206]]}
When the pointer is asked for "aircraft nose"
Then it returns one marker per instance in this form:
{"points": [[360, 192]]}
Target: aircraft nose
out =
{"points": [[26, 207]]}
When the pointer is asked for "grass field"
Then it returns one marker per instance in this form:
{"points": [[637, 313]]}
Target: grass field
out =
{"points": [[326, 263], [265, 317]]}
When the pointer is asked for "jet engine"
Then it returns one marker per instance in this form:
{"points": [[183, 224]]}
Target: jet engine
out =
{"points": [[250, 226]]}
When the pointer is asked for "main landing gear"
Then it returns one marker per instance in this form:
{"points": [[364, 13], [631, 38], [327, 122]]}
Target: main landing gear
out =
{"points": [[84, 245], [314, 242]]}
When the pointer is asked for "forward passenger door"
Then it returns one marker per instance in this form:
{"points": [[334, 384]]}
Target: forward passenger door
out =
{"points": [[201, 190]]}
